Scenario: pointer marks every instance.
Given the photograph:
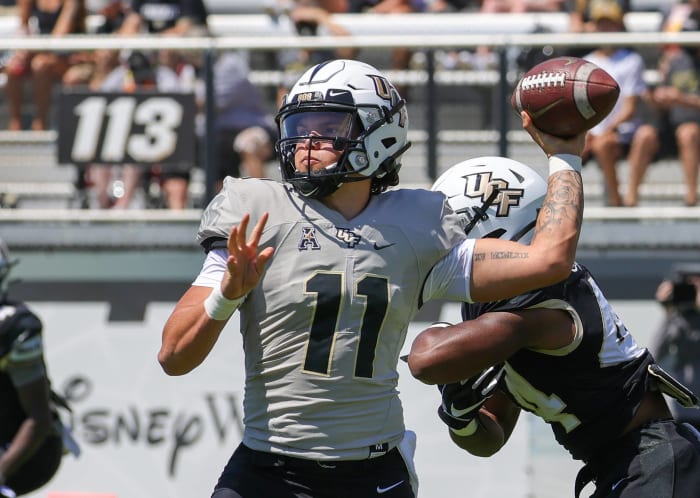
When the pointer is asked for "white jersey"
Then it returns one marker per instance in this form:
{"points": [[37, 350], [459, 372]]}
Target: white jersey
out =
{"points": [[323, 329]]}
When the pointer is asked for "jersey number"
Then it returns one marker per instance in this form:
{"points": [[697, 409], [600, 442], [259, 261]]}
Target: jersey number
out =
{"points": [[549, 407], [328, 288], [117, 128], [160, 117]]}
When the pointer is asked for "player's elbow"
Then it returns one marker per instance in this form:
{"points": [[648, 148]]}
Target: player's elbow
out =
{"points": [[556, 271], [170, 365], [421, 363], [419, 369], [555, 263], [479, 445]]}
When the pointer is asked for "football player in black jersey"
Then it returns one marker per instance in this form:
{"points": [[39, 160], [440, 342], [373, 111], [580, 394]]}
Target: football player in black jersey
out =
{"points": [[560, 352], [31, 445]]}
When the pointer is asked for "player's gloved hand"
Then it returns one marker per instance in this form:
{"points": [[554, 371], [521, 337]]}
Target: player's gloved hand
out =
{"points": [[461, 400]]}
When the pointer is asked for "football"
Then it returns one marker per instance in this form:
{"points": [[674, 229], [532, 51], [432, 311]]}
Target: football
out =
{"points": [[565, 96]]}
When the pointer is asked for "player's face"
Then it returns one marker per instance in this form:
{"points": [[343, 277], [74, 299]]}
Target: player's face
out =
{"points": [[320, 129]]}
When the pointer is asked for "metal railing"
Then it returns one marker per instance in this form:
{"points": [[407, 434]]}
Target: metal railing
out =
{"points": [[498, 42]]}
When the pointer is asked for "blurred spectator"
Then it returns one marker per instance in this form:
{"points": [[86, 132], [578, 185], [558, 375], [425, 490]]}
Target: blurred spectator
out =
{"points": [[94, 66], [170, 18], [310, 18], [401, 57], [677, 342], [43, 69], [115, 186], [519, 6], [580, 18], [609, 141], [484, 57], [453, 5], [245, 128], [677, 104]]}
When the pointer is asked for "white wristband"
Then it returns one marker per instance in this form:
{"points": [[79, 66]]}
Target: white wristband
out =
{"points": [[467, 430], [564, 162], [219, 307]]}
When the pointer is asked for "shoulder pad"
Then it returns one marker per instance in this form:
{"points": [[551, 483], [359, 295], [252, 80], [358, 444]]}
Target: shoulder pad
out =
{"points": [[16, 323]]}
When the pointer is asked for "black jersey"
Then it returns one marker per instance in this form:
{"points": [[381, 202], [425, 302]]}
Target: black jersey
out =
{"points": [[588, 391]]}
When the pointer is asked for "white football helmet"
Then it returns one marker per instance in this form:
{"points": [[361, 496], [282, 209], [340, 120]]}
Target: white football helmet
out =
{"points": [[370, 126], [496, 197]]}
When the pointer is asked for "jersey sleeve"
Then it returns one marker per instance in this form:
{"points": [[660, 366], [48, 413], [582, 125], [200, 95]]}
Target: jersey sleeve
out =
{"points": [[213, 269], [239, 196], [222, 213], [450, 278]]}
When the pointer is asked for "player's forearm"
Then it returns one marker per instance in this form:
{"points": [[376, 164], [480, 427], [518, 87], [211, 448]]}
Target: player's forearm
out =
{"points": [[503, 269], [188, 337], [559, 224], [486, 441], [27, 439]]}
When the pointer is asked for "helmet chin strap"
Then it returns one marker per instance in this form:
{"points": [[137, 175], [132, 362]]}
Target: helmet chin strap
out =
{"points": [[315, 184], [480, 212]]}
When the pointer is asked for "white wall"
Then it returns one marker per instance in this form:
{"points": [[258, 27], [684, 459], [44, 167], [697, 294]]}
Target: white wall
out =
{"points": [[185, 428]]}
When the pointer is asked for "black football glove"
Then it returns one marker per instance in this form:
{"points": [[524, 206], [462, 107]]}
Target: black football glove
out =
{"points": [[461, 400]]}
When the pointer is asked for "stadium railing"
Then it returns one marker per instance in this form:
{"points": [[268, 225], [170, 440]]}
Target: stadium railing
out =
{"points": [[424, 32]]}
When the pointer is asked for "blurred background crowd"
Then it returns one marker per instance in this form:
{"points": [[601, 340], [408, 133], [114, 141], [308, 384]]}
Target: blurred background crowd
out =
{"points": [[656, 119]]}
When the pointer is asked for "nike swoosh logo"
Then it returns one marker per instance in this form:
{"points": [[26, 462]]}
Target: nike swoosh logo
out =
{"points": [[381, 490], [618, 483], [540, 112], [335, 93], [379, 247], [458, 413]]}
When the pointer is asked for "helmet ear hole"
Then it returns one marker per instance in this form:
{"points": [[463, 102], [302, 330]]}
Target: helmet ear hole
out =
{"points": [[389, 142]]}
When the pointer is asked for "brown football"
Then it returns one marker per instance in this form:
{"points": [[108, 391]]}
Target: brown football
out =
{"points": [[565, 95]]}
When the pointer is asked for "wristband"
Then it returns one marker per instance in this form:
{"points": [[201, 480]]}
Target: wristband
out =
{"points": [[468, 429], [564, 162], [219, 307]]}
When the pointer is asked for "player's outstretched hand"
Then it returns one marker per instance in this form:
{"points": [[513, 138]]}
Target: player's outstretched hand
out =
{"points": [[551, 144], [461, 400], [245, 264]]}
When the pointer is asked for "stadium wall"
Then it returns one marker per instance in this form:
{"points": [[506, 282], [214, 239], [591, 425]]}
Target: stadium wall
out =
{"points": [[144, 434]]}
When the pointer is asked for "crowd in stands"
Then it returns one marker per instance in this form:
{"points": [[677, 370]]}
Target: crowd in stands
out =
{"points": [[648, 123]]}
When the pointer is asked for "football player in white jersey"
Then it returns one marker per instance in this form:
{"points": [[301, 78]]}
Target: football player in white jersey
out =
{"points": [[560, 352], [334, 269]]}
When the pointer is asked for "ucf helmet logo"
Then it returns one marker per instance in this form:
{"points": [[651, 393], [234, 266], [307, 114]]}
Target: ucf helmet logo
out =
{"points": [[481, 185]]}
